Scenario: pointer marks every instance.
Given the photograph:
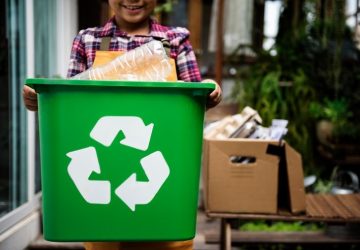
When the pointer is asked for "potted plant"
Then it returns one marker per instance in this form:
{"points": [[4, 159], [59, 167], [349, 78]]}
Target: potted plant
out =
{"points": [[334, 121], [336, 130]]}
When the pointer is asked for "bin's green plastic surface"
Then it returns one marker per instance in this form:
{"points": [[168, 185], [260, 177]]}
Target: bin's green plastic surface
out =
{"points": [[85, 159]]}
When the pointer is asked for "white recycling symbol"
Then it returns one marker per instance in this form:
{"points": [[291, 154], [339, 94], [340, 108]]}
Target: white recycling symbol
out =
{"points": [[132, 192]]}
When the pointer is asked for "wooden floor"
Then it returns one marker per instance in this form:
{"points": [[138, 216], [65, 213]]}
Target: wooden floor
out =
{"points": [[329, 206], [319, 207], [241, 238], [333, 210]]}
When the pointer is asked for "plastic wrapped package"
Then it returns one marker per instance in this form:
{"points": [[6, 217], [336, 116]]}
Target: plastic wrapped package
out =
{"points": [[148, 62], [236, 126]]}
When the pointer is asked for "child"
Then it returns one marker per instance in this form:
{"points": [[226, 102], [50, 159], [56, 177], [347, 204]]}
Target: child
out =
{"points": [[131, 27]]}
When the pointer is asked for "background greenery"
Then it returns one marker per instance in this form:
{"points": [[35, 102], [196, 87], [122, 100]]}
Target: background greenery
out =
{"points": [[311, 73]]}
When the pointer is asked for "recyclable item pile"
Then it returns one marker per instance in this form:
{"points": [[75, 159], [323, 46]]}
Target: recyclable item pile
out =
{"points": [[249, 168], [246, 124]]}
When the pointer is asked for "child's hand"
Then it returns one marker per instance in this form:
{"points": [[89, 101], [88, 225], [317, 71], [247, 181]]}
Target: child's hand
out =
{"points": [[215, 97], [30, 98]]}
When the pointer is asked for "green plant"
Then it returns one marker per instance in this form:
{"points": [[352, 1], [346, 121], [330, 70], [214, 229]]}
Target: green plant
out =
{"points": [[264, 89], [338, 113], [323, 186], [334, 69], [333, 111], [166, 7], [316, 61], [280, 226]]}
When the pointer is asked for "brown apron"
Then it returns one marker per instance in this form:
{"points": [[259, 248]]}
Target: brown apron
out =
{"points": [[151, 245], [103, 56]]}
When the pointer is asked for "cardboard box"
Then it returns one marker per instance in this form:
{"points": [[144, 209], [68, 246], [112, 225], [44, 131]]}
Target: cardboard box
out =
{"points": [[272, 180]]}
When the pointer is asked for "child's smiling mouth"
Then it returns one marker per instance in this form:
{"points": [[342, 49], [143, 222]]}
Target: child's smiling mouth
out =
{"points": [[132, 7]]}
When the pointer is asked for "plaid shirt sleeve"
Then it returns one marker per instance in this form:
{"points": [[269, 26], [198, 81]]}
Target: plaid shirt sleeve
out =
{"points": [[188, 69], [186, 63], [77, 57]]}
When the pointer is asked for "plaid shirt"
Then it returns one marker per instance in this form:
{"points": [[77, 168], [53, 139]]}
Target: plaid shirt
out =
{"points": [[88, 41]]}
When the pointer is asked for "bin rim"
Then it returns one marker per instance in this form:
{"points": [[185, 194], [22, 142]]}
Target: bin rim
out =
{"points": [[33, 82]]}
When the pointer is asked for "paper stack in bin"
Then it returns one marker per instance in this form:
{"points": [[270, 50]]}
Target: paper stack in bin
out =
{"points": [[252, 174]]}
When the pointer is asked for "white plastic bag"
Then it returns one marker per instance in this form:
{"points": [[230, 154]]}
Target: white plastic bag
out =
{"points": [[148, 62]]}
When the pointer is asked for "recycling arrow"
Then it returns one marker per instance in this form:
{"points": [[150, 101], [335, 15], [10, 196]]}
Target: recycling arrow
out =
{"points": [[137, 135], [83, 163], [133, 192]]}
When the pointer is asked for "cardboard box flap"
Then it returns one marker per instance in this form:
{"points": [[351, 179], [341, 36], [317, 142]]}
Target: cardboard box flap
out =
{"points": [[295, 178], [291, 193]]}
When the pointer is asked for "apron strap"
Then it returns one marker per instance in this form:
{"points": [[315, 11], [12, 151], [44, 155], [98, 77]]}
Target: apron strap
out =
{"points": [[105, 43], [166, 45], [165, 42]]}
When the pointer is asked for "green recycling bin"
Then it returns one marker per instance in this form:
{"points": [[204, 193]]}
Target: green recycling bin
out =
{"points": [[120, 161]]}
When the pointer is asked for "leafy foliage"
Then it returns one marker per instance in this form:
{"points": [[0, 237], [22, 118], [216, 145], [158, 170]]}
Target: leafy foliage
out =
{"points": [[313, 72], [280, 226], [323, 186], [264, 90], [339, 114], [166, 7]]}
